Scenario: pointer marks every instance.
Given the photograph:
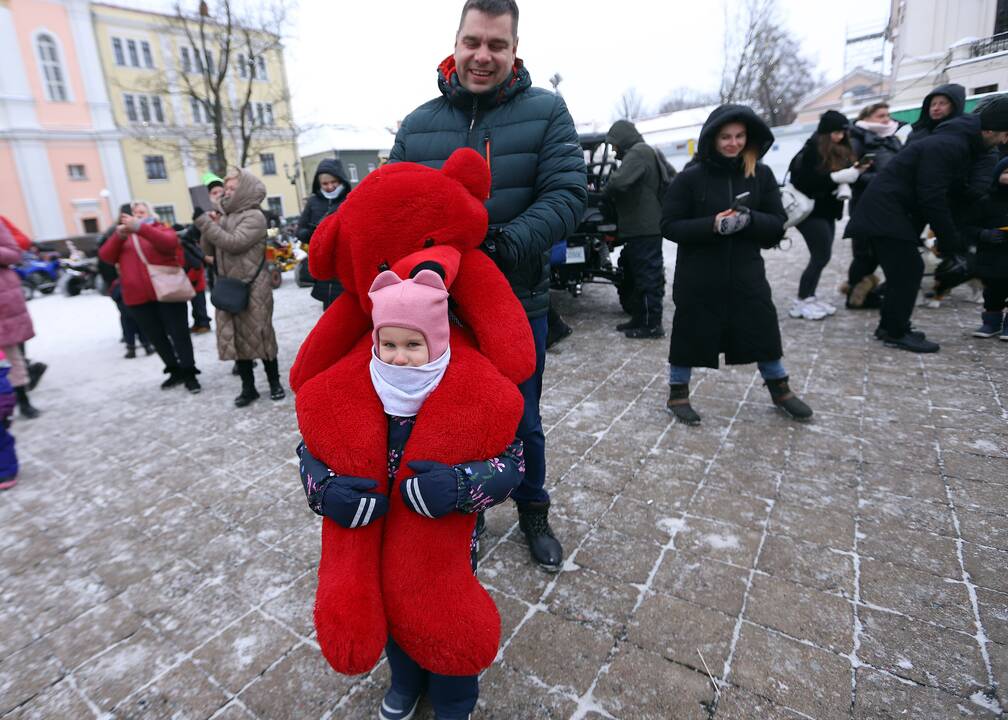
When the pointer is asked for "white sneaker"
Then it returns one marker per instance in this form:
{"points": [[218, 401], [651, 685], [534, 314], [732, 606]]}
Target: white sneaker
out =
{"points": [[822, 305], [807, 310]]}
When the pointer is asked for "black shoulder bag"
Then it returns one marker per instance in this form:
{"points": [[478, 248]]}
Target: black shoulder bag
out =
{"points": [[232, 295]]}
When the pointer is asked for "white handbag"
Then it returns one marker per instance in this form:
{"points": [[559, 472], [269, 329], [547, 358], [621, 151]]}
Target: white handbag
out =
{"points": [[797, 204]]}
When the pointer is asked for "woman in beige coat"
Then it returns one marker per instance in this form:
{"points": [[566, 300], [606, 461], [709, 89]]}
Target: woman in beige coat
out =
{"points": [[237, 241]]}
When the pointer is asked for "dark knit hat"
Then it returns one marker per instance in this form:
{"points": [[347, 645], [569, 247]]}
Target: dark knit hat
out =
{"points": [[994, 115], [830, 121]]}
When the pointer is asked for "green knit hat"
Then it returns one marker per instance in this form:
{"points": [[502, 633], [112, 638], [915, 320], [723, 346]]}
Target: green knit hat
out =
{"points": [[209, 179]]}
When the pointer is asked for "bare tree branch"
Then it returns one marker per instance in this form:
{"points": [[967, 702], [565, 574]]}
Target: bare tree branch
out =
{"points": [[630, 106]]}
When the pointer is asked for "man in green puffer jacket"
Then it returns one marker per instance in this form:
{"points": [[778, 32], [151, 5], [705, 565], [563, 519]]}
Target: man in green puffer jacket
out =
{"points": [[537, 196]]}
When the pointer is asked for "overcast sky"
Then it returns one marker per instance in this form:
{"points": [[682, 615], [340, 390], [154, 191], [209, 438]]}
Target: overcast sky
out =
{"points": [[369, 62]]}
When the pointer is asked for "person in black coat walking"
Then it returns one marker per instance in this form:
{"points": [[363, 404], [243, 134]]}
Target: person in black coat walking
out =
{"points": [[633, 188], [330, 188], [941, 104], [824, 169], [988, 230], [913, 190], [721, 210], [873, 139]]}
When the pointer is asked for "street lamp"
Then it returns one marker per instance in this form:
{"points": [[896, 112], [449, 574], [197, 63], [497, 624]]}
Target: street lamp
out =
{"points": [[293, 178], [107, 196]]}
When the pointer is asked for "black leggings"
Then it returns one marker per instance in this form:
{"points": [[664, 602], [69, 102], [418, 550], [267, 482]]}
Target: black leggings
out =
{"points": [[166, 325], [818, 233], [995, 294]]}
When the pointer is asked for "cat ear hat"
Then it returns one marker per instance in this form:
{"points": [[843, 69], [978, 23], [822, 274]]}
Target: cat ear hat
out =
{"points": [[419, 303]]}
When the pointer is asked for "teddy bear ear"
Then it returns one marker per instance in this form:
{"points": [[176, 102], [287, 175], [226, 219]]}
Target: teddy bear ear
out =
{"points": [[469, 168], [430, 279], [385, 279], [322, 248]]}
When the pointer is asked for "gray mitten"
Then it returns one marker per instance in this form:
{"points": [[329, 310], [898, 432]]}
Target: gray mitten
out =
{"points": [[732, 224]]}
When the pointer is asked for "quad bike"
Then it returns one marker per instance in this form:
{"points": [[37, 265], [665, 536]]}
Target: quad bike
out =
{"points": [[586, 255], [38, 274]]}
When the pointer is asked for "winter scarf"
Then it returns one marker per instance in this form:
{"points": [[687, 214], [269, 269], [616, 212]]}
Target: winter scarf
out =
{"points": [[883, 130], [403, 389]]}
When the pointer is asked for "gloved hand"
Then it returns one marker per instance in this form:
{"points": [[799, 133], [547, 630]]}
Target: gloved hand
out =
{"points": [[847, 175], [731, 224], [434, 491], [197, 212], [497, 245], [843, 192], [344, 499], [993, 236]]}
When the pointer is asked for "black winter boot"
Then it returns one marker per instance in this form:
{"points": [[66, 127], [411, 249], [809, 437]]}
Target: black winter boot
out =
{"points": [[35, 372], [780, 393], [175, 377], [130, 352], [28, 411], [273, 374], [533, 519], [679, 407], [190, 381], [645, 332], [631, 324], [249, 394]]}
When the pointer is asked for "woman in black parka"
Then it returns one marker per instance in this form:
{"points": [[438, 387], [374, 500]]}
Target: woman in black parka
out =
{"points": [[330, 188], [722, 299]]}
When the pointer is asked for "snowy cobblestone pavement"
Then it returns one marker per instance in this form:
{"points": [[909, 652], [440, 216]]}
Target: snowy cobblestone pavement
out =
{"points": [[157, 558]]}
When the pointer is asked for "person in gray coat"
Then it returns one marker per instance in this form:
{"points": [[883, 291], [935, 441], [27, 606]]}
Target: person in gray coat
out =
{"points": [[633, 188]]}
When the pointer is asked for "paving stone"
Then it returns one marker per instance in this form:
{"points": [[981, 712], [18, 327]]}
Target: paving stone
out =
{"points": [[506, 568], [882, 508], [243, 651], [26, 674], [589, 597], [737, 704], [702, 581], [986, 566], [682, 632], [984, 528], [921, 549], [967, 466], [814, 523], [58, 701], [300, 685], [641, 684], [184, 692], [507, 694], [648, 521], [994, 614], [881, 697], [918, 594], [719, 541], [907, 648], [94, 631], [802, 613], [295, 606], [727, 507], [584, 651], [621, 556], [807, 564], [979, 496], [797, 676]]}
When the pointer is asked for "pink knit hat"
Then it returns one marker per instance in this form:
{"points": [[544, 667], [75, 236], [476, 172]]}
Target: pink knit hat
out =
{"points": [[420, 303]]}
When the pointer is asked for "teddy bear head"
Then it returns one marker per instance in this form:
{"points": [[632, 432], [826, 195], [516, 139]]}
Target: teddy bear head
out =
{"points": [[403, 216]]}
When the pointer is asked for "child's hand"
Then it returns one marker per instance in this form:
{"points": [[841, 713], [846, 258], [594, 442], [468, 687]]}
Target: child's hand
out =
{"points": [[433, 492], [344, 499]]}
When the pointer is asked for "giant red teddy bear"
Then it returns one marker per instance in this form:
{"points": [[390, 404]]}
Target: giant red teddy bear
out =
{"points": [[405, 574]]}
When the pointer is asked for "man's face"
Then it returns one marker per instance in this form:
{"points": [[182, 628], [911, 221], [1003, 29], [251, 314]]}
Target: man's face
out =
{"points": [[216, 193], [992, 138], [940, 107], [485, 50]]}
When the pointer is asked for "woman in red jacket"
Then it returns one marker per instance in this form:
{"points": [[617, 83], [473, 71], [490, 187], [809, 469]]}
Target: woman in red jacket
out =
{"points": [[165, 324]]}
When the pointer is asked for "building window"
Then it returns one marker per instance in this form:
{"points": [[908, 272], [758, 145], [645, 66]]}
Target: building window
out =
{"points": [[269, 114], [275, 205], [268, 163], [165, 213], [1001, 17], [90, 225], [370, 168], [200, 113], [52, 69], [131, 48], [216, 163], [76, 172], [260, 71], [117, 50], [985, 89], [131, 113], [352, 169], [155, 167], [243, 67], [147, 57], [186, 59]]}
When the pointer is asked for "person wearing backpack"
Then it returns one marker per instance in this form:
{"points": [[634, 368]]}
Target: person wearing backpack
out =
{"points": [[635, 188]]}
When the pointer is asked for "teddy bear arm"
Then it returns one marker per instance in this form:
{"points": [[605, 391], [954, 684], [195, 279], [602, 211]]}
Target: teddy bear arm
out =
{"points": [[487, 305], [333, 336]]}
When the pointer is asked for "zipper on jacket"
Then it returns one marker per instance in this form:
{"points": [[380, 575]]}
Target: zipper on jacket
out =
{"points": [[472, 121], [486, 146]]}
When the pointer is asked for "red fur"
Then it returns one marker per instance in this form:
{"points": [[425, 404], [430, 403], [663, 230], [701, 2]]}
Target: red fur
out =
{"points": [[408, 575]]}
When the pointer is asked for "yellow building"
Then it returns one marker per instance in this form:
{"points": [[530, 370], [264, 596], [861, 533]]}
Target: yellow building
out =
{"points": [[151, 69]]}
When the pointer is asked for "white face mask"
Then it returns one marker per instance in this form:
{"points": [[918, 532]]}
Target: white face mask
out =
{"points": [[332, 195], [402, 389]]}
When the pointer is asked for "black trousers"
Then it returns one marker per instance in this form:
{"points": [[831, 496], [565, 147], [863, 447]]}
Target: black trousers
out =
{"points": [[130, 330], [644, 277], [199, 311], [818, 234], [864, 262], [995, 294], [904, 269], [166, 326]]}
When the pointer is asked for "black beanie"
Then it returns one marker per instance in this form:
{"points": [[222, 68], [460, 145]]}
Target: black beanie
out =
{"points": [[832, 120], [994, 115]]}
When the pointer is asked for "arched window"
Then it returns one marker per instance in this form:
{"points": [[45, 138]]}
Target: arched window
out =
{"points": [[52, 69]]}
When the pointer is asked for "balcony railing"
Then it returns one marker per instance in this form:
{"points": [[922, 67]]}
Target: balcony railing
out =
{"points": [[989, 46]]}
